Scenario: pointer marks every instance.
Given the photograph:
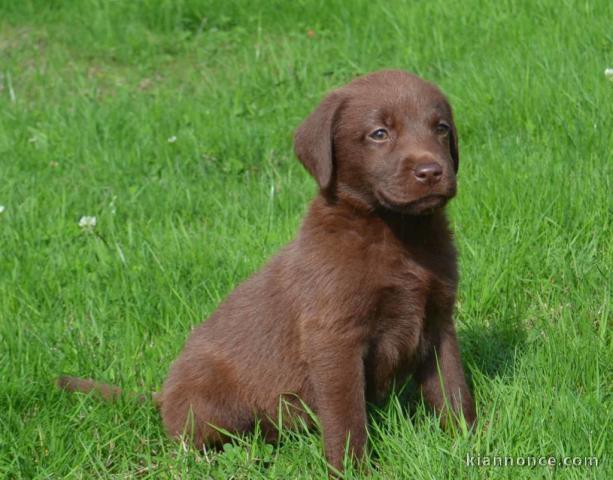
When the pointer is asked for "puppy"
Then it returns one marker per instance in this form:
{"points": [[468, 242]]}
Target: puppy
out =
{"points": [[362, 297]]}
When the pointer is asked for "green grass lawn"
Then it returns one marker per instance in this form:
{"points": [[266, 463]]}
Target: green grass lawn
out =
{"points": [[171, 122]]}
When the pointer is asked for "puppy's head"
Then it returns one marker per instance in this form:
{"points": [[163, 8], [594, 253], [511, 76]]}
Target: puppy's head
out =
{"points": [[386, 140]]}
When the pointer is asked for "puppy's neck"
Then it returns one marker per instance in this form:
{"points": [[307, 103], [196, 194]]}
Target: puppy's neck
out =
{"points": [[346, 197], [367, 206], [415, 228], [345, 208]]}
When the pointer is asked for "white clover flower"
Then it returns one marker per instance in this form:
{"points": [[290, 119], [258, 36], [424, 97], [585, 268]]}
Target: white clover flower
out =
{"points": [[87, 223], [2, 208], [172, 139], [609, 73]]}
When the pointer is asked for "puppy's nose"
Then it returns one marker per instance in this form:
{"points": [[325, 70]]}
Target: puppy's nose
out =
{"points": [[429, 173]]}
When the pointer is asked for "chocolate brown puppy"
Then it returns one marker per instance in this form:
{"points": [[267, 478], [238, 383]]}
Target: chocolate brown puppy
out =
{"points": [[362, 297]]}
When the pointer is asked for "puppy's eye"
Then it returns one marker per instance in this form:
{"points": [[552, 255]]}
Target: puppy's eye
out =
{"points": [[379, 135], [443, 128]]}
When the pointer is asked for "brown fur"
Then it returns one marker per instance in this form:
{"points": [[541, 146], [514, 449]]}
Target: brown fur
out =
{"points": [[361, 298]]}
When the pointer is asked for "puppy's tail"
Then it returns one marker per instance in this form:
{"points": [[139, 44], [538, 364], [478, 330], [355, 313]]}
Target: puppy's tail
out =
{"points": [[105, 391]]}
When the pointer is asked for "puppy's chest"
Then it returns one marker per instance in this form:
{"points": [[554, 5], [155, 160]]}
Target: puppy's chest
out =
{"points": [[408, 281], [400, 306], [409, 294]]}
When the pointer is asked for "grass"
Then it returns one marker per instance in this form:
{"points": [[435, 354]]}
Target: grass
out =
{"points": [[91, 92]]}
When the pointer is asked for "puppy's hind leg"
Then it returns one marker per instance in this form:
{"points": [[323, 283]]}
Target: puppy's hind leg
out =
{"points": [[201, 404]]}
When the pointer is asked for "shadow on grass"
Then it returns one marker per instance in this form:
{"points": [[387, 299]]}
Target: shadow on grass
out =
{"points": [[493, 349]]}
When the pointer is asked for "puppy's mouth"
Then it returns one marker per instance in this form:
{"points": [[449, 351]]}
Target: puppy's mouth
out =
{"points": [[421, 206]]}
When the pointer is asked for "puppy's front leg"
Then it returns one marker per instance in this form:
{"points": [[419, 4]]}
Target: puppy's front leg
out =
{"points": [[336, 370], [441, 376]]}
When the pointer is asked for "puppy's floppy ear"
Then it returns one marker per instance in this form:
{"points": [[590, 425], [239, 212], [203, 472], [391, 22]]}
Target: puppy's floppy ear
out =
{"points": [[453, 148], [314, 140]]}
